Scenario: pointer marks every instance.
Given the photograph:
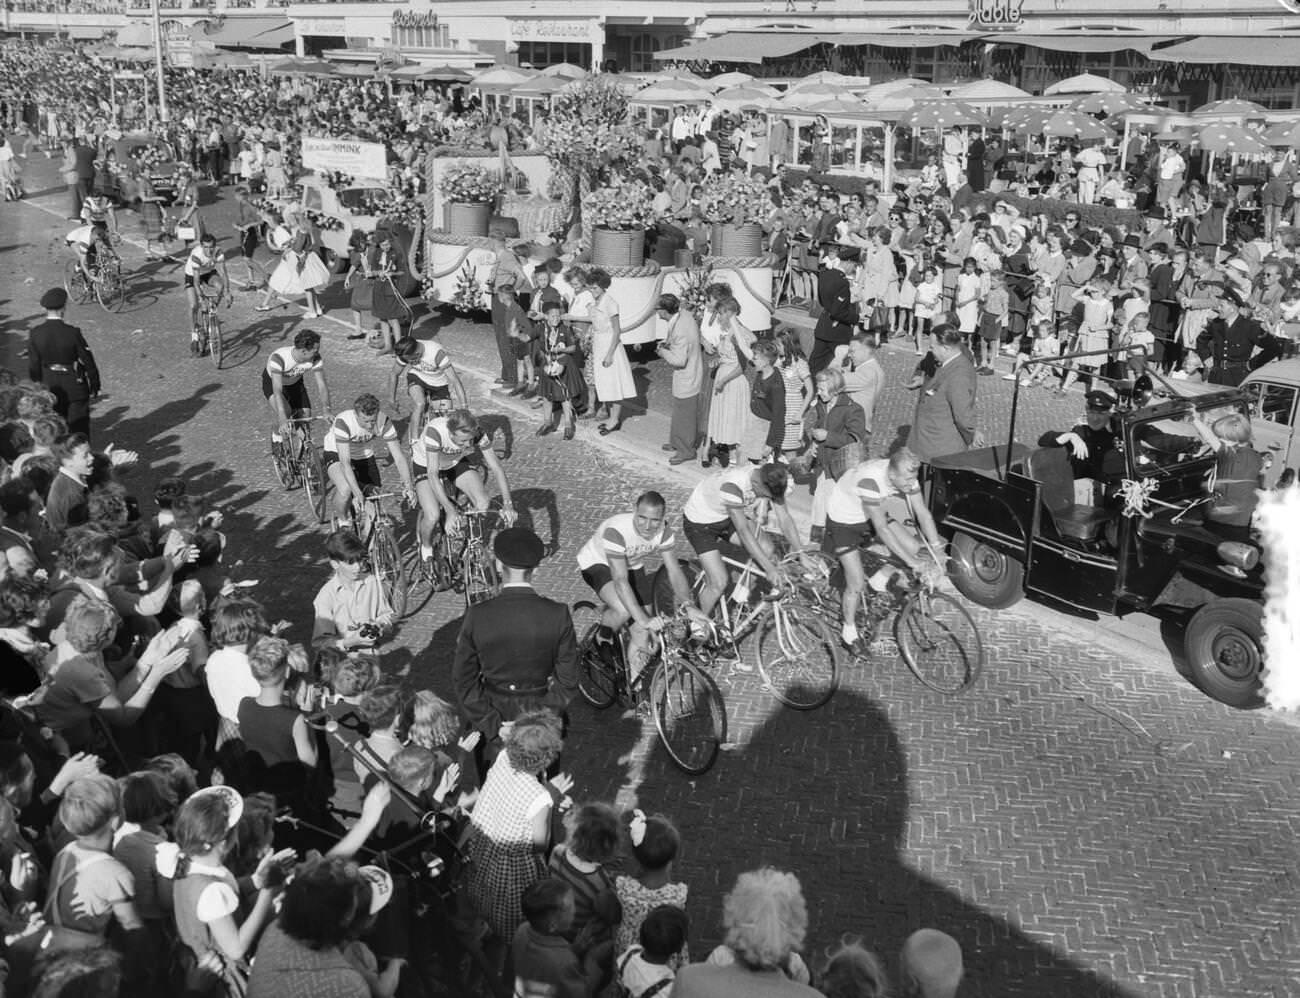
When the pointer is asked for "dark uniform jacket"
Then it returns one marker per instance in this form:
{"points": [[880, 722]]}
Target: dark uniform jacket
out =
{"points": [[514, 651], [1231, 347], [59, 358]]}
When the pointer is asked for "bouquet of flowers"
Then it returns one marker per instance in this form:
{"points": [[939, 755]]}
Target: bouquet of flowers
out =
{"points": [[468, 183], [339, 180], [733, 200], [470, 292], [625, 206], [693, 294], [151, 156]]}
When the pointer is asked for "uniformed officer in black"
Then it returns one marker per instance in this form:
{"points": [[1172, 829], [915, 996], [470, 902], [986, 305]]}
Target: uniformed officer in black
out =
{"points": [[516, 651], [1094, 454], [1228, 343], [59, 358]]}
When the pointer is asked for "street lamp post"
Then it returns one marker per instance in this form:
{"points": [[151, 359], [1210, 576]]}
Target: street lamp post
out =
{"points": [[158, 60]]}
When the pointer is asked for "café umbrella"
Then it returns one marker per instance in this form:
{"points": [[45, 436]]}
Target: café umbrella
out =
{"points": [[938, 115], [1229, 139], [1084, 83], [738, 98], [1234, 105], [1109, 104], [1284, 133], [1075, 125]]}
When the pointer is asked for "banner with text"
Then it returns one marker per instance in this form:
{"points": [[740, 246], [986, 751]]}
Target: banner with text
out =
{"points": [[357, 159]]}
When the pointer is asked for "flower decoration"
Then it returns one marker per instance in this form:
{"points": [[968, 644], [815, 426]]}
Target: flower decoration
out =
{"points": [[694, 292], [471, 293], [326, 223], [735, 200], [468, 183], [152, 156], [625, 206]]}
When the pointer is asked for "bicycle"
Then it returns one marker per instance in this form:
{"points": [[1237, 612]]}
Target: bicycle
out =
{"points": [[798, 655], [105, 283], [470, 570], [297, 461], [689, 711], [209, 327], [376, 529], [937, 638]]}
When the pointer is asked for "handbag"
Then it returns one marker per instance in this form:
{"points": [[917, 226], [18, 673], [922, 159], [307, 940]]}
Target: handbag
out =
{"points": [[363, 294], [841, 459], [879, 317]]}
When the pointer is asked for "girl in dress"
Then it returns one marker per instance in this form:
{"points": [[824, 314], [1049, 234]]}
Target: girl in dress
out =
{"points": [[793, 366], [1094, 328], [655, 844], [277, 182], [559, 379], [766, 430], [729, 413], [300, 271], [614, 381], [579, 316]]}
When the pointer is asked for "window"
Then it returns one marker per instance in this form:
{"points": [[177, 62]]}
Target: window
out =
{"points": [[426, 36], [1272, 403]]}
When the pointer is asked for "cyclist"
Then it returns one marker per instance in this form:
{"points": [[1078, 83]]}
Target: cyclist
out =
{"points": [[884, 495], [451, 455], [350, 455], [92, 240], [728, 503], [612, 562], [282, 381], [205, 268], [430, 377]]}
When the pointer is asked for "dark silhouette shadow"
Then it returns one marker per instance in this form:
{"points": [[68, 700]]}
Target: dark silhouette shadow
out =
{"points": [[540, 513], [500, 428]]}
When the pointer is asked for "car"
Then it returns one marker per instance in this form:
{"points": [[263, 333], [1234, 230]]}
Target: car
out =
{"points": [[1274, 392], [153, 155], [1016, 530]]}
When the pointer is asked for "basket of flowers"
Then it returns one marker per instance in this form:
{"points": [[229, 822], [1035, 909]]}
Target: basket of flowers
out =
{"points": [[470, 191], [618, 216], [736, 206]]}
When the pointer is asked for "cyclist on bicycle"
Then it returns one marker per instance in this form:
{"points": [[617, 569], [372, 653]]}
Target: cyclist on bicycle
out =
{"points": [[92, 240], [451, 455], [612, 562], [727, 503], [884, 495], [349, 456], [282, 381], [430, 377], [205, 269]]}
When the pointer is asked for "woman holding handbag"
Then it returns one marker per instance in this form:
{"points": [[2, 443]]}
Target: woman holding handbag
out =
{"points": [[838, 427], [359, 280]]}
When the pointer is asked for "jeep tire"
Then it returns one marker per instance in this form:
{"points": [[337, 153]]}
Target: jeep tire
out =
{"points": [[1225, 653], [985, 575]]}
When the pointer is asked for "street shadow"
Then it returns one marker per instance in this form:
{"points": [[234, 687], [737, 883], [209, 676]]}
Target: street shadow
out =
{"points": [[499, 427], [825, 796], [536, 506]]}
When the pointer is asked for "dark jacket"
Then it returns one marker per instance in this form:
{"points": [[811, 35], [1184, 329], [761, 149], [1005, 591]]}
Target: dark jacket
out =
{"points": [[945, 411], [839, 311], [844, 422], [1230, 347], [57, 353], [767, 401], [515, 647]]}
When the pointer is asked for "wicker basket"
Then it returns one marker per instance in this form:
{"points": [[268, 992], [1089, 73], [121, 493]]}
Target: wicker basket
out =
{"points": [[468, 219], [612, 248], [737, 240]]}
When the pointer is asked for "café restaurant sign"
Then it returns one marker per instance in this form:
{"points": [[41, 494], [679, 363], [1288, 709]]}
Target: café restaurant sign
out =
{"points": [[414, 19], [551, 30], [996, 15]]}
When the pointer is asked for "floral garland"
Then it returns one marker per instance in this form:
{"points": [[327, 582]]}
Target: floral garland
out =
{"points": [[469, 183], [326, 223], [626, 206], [733, 200]]}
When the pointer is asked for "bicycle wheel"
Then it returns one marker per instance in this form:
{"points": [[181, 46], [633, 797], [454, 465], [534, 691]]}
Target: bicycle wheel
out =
{"points": [[215, 345], [313, 479], [798, 657], [386, 562], [281, 463], [110, 288], [940, 642], [598, 680], [74, 283], [661, 589], [479, 575], [689, 713]]}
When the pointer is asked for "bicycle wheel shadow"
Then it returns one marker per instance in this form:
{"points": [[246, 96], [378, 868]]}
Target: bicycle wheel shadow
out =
{"points": [[825, 795]]}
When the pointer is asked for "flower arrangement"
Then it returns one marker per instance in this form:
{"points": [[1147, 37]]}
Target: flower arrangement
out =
{"points": [[693, 294], [470, 292], [468, 183], [339, 180], [151, 156], [625, 206], [735, 200], [326, 223]]}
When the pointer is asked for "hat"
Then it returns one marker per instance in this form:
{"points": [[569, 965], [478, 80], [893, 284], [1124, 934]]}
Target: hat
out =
{"points": [[1156, 212], [234, 801], [1239, 265], [1134, 240], [54, 299], [1080, 248], [1099, 401], [381, 887], [518, 547], [1161, 248], [1230, 295]]}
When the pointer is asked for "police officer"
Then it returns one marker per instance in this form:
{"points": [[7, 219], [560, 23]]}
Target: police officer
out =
{"points": [[59, 358], [516, 651], [1093, 446], [1229, 341]]}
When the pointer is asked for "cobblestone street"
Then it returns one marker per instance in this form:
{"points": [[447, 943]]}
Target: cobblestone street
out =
{"points": [[1084, 821]]}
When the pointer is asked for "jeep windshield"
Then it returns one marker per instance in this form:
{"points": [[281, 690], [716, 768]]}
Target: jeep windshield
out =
{"points": [[1166, 442]]}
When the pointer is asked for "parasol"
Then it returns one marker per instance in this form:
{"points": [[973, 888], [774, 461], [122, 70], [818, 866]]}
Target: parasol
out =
{"points": [[1110, 103], [673, 91], [309, 67], [730, 80], [1244, 108], [567, 70], [736, 98], [1284, 134], [1075, 125], [1085, 83], [843, 104], [1229, 139], [941, 114]]}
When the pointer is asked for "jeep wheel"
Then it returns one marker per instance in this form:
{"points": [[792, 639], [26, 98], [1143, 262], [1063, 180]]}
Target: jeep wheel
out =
{"points": [[985, 575], [1224, 649]]}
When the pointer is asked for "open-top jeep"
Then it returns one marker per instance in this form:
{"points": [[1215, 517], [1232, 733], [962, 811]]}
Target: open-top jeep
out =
{"points": [[1016, 528]]}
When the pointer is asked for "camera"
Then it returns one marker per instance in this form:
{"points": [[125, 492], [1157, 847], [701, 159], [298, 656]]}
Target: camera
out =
{"points": [[370, 631]]}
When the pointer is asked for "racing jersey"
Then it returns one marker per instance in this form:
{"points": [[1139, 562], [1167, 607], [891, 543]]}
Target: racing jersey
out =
{"points": [[95, 210], [432, 365], [865, 484], [438, 444], [361, 442], [198, 263], [714, 498], [282, 362], [618, 536]]}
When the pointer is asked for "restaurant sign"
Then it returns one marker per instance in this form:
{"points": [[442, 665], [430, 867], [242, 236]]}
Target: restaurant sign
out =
{"points": [[996, 15], [548, 30], [414, 19]]}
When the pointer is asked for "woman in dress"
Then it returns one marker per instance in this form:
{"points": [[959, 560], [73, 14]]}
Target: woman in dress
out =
{"points": [[300, 271], [559, 378], [510, 826], [614, 381], [793, 366], [729, 413], [387, 266], [277, 182], [360, 279]]}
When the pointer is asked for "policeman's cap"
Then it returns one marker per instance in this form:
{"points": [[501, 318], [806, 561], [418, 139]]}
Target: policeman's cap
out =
{"points": [[54, 299], [1099, 401], [518, 547], [1230, 295]]}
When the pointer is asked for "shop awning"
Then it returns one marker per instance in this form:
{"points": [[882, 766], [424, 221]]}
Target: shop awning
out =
{"points": [[1083, 41], [906, 39], [85, 31], [253, 32], [748, 46], [1256, 50]]}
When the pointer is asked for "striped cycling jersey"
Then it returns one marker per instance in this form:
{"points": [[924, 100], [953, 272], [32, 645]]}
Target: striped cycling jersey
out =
{"points": [[290, 370], [617, 536], [347, 428]]}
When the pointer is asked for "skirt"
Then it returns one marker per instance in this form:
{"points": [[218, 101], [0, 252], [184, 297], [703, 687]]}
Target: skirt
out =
{"points": [[363, 294], [387, 303], [563, 387], [614, 383], [290, 279], [729, 414]]}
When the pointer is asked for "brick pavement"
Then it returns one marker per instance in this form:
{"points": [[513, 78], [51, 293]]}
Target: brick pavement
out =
{"points": [[1084, 823]]}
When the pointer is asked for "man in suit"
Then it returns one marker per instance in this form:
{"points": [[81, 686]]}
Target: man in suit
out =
{"points": [[85, 157], [516, 651], [59, 358], [945, 406], [828, 217], [1228, 344], [680, 350], [839, 310]]}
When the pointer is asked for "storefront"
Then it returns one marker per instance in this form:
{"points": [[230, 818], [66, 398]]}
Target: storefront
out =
{"points": [[547, 41]]}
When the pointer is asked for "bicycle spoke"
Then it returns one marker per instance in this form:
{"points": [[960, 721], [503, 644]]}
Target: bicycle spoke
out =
{"points": [[597, 673], [940, 642], [798, 656], [689, 713]]}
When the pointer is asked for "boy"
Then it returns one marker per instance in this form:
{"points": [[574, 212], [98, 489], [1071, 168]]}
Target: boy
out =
{"points": [[647, 970], [521, 332], [544, 961]]}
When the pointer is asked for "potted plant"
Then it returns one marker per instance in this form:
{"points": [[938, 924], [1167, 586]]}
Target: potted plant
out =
{"points": [[470, 191], [736, 206], [619, 216]]}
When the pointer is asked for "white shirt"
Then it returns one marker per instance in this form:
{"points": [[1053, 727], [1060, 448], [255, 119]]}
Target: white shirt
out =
{"points": [[230, 680]]}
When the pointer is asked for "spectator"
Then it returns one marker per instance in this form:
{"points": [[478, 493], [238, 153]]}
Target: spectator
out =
{"points": [[931, 965]]}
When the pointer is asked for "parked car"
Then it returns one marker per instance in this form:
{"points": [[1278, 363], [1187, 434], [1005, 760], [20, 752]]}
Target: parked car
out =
{"points": [[1274, 394], [142, 152], [1016, 529]]}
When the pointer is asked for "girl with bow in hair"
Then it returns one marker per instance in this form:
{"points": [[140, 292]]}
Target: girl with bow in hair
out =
{"points": [[655, 843]]}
